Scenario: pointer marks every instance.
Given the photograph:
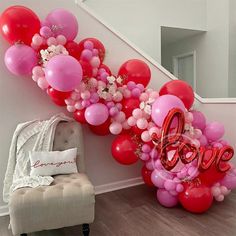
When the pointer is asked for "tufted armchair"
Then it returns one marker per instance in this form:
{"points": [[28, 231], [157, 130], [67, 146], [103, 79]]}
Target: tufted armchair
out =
{"points": [[68, 201]]}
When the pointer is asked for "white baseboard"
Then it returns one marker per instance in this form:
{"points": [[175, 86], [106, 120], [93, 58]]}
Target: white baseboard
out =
{"points": [[118, 185], [98, 189], [4, 211]]}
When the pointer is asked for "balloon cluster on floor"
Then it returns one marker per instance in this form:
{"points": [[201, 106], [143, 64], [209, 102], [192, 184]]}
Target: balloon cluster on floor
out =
{"points": [[183, 155]]}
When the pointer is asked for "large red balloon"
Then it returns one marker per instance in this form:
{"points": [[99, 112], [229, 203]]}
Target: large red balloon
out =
{"points": [[102, 129], [87, 69], [180, 89], [97, 45], [123, 149], [196, 197], [19, 24], [73, 49], [58, 97], [146, 174], [79, 116], [129, 105], [135, 70]]}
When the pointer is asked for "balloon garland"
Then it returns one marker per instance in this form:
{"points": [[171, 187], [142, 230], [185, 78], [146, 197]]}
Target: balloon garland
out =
{"points": [[184, 157]]}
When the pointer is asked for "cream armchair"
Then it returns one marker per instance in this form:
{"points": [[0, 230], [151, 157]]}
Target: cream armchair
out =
{"points": [[67, 202]]}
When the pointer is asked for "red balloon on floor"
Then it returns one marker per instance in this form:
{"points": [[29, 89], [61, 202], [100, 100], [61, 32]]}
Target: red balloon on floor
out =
{"points": [[79, 116], [123, 149], [135, 70], [196, 197], [146, 174], [19, 24], [58, 97], [180, 89], [102, 129]]}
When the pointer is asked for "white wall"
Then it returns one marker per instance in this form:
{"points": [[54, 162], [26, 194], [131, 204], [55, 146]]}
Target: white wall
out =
{"points": [[140, 20], [212, 51]]}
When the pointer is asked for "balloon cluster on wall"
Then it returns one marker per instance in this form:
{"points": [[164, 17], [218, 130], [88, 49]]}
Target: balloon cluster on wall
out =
{"points": [[184, 156]]}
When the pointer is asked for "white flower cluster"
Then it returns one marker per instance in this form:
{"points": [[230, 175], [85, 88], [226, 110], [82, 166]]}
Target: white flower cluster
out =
{"points": [[147, 106], [52, 51]]}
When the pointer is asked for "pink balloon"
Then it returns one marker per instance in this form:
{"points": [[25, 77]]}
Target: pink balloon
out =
{"points": [[166, 199], [163, 105], [62, 22], [229, 181], [20, 59], [214, 131], [63, 73], [159, 177], [199, 120], [203, 141], [96, 114]]}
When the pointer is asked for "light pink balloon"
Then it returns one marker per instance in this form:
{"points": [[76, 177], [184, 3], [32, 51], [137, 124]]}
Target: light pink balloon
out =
{"points": [[62, 22], [166, 199], [20, 59], [163, 105], [96, 114], [199, 120], [63, 73], [214, 131]]}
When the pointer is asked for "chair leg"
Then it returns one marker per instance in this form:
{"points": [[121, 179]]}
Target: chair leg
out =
{"points": [[86, 229]]}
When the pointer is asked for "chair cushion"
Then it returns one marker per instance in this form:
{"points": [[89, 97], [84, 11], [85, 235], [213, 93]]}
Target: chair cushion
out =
{"points": [[68, 201]]}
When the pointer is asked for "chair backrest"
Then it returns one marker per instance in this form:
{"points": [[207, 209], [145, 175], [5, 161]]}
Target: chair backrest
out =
{"points": [[70, 135]]}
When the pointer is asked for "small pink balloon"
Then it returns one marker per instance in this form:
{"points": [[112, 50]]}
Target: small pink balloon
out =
{"points": [[61, 39], [63, 73], [203, 141], [170, 185], [166, 199], [115, 128], [145, 136], [96, 114], [20, 59], [214, 131], [162, 106], [199, 120], [159, 178], [46, 32], [63, 22]]}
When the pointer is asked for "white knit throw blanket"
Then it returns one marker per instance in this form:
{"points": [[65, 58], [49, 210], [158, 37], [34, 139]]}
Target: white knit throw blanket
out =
{"points": [[33, 135]]}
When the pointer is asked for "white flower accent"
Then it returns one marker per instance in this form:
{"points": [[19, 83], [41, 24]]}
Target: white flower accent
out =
{"points": [[52, 51], [147, 106], [111, 79], [119, 80]]}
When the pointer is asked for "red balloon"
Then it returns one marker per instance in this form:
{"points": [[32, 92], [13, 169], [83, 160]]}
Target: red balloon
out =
{"points": [[19, 24], [129, 105], [79, 116], [135, 70], [97, 45], [102, 129], [136, 130], [146, 174], [87, 69], [196, 197], [73, 49], [180, 89], [123, 149], [58, 97], [106, 68]]}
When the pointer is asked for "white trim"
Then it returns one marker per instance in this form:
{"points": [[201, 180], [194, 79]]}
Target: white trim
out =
{"points": [[83, 6], [104, 188], [176, 67], [118, 185], [4, 211]]}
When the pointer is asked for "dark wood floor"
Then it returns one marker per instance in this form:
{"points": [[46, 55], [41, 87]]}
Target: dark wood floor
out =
{"points": [[135, 212]]}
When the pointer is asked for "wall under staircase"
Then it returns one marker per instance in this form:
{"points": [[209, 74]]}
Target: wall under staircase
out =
{"points": [[21, 100]]}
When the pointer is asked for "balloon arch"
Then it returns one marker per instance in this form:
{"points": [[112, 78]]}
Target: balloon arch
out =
{"points": [[183, 156]]}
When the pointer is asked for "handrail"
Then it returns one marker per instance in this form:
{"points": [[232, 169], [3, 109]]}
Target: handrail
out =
{"points": [[83, 6]]}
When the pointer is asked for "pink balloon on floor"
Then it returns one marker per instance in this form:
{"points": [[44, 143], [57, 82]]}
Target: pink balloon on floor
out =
{"points": [[62, 22], [20, 59], [166, 199], [162, 106], [63, 73]]}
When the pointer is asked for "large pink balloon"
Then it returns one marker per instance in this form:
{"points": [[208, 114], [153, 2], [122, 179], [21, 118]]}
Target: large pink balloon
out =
{"points": [[163, 105], [20, 59], [96, 114], [63, 22], [166, 199], [214, 131], [199, 120], [63, 73]]}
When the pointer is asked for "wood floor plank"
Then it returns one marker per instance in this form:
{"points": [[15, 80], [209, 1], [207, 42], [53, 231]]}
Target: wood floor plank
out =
{"points": [[135, 212]]}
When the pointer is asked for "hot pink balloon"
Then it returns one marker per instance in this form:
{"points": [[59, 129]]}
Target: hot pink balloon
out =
{"points": [[63, 73], [214, 131], [163, 105], [166, 199], [62, 22], [96, 114], [199, 120], [20, 59]]}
